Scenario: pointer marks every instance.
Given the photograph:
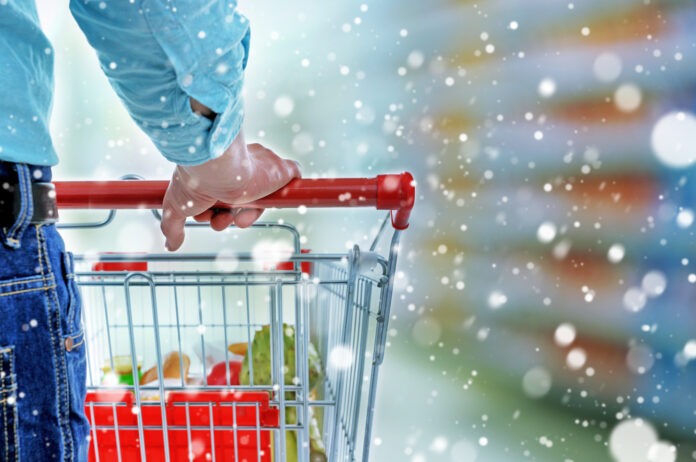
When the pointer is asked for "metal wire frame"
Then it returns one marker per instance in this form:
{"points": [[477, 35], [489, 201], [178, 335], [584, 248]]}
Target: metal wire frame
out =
{"points": [[351, 309]]}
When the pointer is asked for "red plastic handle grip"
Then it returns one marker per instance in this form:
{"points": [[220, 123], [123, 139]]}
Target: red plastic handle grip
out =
{"points": [[385, 192]]}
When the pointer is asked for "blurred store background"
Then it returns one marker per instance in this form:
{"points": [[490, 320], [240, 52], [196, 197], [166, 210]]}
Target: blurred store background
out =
{"points": [[545, 304]]}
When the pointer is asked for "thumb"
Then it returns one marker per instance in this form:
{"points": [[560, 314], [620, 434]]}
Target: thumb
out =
{"points": [[172, 227], [178, 204]]}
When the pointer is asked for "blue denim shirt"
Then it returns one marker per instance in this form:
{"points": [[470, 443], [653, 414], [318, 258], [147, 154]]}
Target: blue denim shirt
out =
{"points": [[157, 54]]}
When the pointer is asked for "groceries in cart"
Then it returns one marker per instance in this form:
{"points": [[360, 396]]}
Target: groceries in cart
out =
{"points": [[261, 364], [261, 360], [119, 370], [236, 370], [174, 367]]}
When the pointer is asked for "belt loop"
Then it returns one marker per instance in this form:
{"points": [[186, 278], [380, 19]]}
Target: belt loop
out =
{"points": [[26, 208]]}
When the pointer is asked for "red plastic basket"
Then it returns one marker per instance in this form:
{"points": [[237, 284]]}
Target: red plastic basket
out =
{"points": [[119, 266], [305, 266], [251, 408]]}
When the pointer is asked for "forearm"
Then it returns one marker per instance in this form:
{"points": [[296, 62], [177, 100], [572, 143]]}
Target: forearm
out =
{"points": [[167, 73]]}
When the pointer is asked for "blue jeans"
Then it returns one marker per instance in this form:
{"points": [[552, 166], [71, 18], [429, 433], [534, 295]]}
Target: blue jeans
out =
{"points": [[42, 352]]}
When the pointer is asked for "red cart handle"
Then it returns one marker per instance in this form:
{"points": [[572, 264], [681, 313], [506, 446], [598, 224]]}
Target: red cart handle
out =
{"points": [[385, 192]]}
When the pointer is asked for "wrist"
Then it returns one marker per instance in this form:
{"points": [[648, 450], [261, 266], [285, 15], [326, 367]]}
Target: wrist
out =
{"points": [[201, 109]]}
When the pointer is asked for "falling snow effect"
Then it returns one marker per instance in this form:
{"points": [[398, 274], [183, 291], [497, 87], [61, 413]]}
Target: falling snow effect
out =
{"points": [[545, 281]]}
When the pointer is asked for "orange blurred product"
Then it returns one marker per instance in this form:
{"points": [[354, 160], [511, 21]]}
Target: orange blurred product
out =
{"points": [[171, 368], [195, 381], [239, 349]]}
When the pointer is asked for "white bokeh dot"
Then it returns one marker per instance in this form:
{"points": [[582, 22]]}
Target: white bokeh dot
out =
{"points": [[283, 106], [546, 232], [616, 253], [674, 139], [654, 284], [631, 440], [628, 97], [565, 334], [536, 382], [607, 67], [547, 87], [685, 218], [634, 299], [576, 358]]}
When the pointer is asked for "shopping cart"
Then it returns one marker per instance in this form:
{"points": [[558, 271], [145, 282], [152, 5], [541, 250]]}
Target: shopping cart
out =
{"points": [[231, 356]]}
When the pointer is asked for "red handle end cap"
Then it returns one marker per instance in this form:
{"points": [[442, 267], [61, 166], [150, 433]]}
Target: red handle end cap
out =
{"points": [[398, 194]]}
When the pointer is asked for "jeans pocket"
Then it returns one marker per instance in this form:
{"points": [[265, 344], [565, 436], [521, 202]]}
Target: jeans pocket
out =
{"points": [[9, 437], [28, 377]]}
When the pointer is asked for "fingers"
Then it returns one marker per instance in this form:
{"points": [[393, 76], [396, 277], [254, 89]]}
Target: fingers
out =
{"points": [[222, 219], [247, 217], [204, 217], [293, 168]]}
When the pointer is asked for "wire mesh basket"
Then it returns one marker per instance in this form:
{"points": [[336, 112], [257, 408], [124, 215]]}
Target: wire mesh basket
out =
{"points": [[236, 356]]}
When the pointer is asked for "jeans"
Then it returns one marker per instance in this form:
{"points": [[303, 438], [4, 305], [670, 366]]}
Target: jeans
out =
{"points": [[42, 351]]}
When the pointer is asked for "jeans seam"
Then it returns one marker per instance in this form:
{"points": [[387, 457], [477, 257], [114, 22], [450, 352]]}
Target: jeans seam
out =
{"points": [[58, 357], [40, 254], [4, 414], [15, 418], [25, 281], [28, 290]]}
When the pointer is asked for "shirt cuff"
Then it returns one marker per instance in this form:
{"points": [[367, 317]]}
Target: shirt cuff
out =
{"points": [[198, 139], [207, 46]]}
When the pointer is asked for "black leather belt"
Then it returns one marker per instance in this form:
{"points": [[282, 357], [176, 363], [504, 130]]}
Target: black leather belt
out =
{"points": [[44, 200]]}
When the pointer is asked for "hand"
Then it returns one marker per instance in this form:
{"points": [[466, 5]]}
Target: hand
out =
{"points": [[242, 174]]}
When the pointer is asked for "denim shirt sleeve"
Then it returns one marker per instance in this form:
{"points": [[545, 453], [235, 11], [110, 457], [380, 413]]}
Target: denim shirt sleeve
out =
{"points": [[159, 53]]}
